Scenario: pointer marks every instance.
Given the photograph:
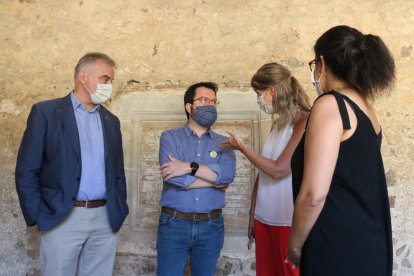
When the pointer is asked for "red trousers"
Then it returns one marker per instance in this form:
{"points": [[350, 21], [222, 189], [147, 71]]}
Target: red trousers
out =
{"points": [[271, 250]]}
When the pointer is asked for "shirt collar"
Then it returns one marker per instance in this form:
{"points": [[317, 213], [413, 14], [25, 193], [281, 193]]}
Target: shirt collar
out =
{"points": [[77, 104], [188, 131]]}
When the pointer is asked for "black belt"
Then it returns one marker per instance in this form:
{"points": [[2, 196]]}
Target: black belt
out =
{"points": [[192, 216], [90, 204]]}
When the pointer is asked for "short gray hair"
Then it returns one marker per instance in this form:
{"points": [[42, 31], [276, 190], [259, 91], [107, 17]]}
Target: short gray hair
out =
{"points": [[91, 58]]}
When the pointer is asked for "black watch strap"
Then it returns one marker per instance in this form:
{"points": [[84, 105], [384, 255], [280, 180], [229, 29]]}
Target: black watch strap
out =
{"points": [[194, 167]]}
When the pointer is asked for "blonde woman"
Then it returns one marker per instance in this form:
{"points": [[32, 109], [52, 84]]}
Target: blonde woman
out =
{"points": [[278, 94]]}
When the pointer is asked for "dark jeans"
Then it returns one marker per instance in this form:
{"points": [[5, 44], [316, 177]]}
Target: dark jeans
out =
{"points": [[179, 238]]}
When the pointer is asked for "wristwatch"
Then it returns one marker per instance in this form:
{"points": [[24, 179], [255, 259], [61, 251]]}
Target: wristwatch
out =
{"points": [[194, 167]]}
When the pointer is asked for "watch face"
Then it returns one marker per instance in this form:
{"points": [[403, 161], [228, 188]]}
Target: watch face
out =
{"points": [[194, 165]]}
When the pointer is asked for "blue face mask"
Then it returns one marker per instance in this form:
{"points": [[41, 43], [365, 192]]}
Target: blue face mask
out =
{"points": [[205, 115]]}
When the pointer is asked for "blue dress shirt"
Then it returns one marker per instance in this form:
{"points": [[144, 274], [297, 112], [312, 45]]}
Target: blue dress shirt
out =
{"points": [[184, 145], [93, 182]]}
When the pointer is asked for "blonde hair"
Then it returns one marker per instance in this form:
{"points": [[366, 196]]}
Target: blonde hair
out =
{"points": [[290, 98]]}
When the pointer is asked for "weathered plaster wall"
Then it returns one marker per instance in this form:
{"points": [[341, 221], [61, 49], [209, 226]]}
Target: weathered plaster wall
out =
{"points": [[170, 44]]}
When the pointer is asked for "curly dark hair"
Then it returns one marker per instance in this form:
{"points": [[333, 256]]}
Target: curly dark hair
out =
{"points": [[363, 61]]}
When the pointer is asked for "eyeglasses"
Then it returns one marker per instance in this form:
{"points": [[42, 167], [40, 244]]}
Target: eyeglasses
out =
{"points": [[312, 64], [207, 101]]}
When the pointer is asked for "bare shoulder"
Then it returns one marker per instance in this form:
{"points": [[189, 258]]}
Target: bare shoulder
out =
{"points": [[326, 101], [325, 108], [325, 118]]}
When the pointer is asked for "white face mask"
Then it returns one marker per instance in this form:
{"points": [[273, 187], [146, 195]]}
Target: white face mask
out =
{"points": [[102, 93], [266, 107], [316, 83]]}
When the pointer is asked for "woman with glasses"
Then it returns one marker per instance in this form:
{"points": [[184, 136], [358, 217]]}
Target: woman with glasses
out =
{"points": [[278, 94], [341, 222]]}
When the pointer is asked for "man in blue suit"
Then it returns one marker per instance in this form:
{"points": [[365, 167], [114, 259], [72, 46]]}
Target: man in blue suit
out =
{"points": [[70, 174]]}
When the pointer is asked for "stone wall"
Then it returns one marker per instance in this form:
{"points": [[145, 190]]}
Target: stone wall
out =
{"points": [[162, 47]]}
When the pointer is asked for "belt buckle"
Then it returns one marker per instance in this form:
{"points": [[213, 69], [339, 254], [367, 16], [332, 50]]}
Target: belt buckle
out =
{"points": [[86, 204], [195, 217]]}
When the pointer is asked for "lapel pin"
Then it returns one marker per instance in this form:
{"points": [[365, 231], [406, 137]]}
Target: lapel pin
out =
{"points": [[213, 154]]}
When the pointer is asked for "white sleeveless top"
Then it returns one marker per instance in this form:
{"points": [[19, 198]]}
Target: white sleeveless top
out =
{"points": [[274, 201]]}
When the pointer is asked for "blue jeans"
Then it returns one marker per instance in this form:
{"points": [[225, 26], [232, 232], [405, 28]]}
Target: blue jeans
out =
{"points": [[179, 238]]}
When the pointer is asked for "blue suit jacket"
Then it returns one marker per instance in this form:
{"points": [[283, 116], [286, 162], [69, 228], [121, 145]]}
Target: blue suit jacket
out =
{"points": [[49, 169]]}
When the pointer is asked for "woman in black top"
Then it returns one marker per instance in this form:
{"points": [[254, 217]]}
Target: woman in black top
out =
{"points": [[341, 222]]}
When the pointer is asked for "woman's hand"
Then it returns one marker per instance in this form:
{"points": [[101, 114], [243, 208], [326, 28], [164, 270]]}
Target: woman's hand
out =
{"points": [[250, 230], [294, 255], [234, 142]]}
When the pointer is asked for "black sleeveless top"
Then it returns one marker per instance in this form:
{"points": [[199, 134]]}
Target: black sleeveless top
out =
{"points": [[352, 235]]}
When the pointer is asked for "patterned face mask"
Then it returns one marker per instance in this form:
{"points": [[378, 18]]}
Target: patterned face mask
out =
{"points": [[205, 116]]}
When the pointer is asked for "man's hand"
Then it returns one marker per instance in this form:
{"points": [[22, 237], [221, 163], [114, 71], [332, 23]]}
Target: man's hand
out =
{"points": [[201, 183], [222, 187], [174, 168]]}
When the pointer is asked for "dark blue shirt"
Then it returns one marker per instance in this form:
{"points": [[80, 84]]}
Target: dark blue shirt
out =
{"points": [[184, 145]]}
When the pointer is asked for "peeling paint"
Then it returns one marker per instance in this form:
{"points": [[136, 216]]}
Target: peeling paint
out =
{"points": [[406, 51], [8, 107]]}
